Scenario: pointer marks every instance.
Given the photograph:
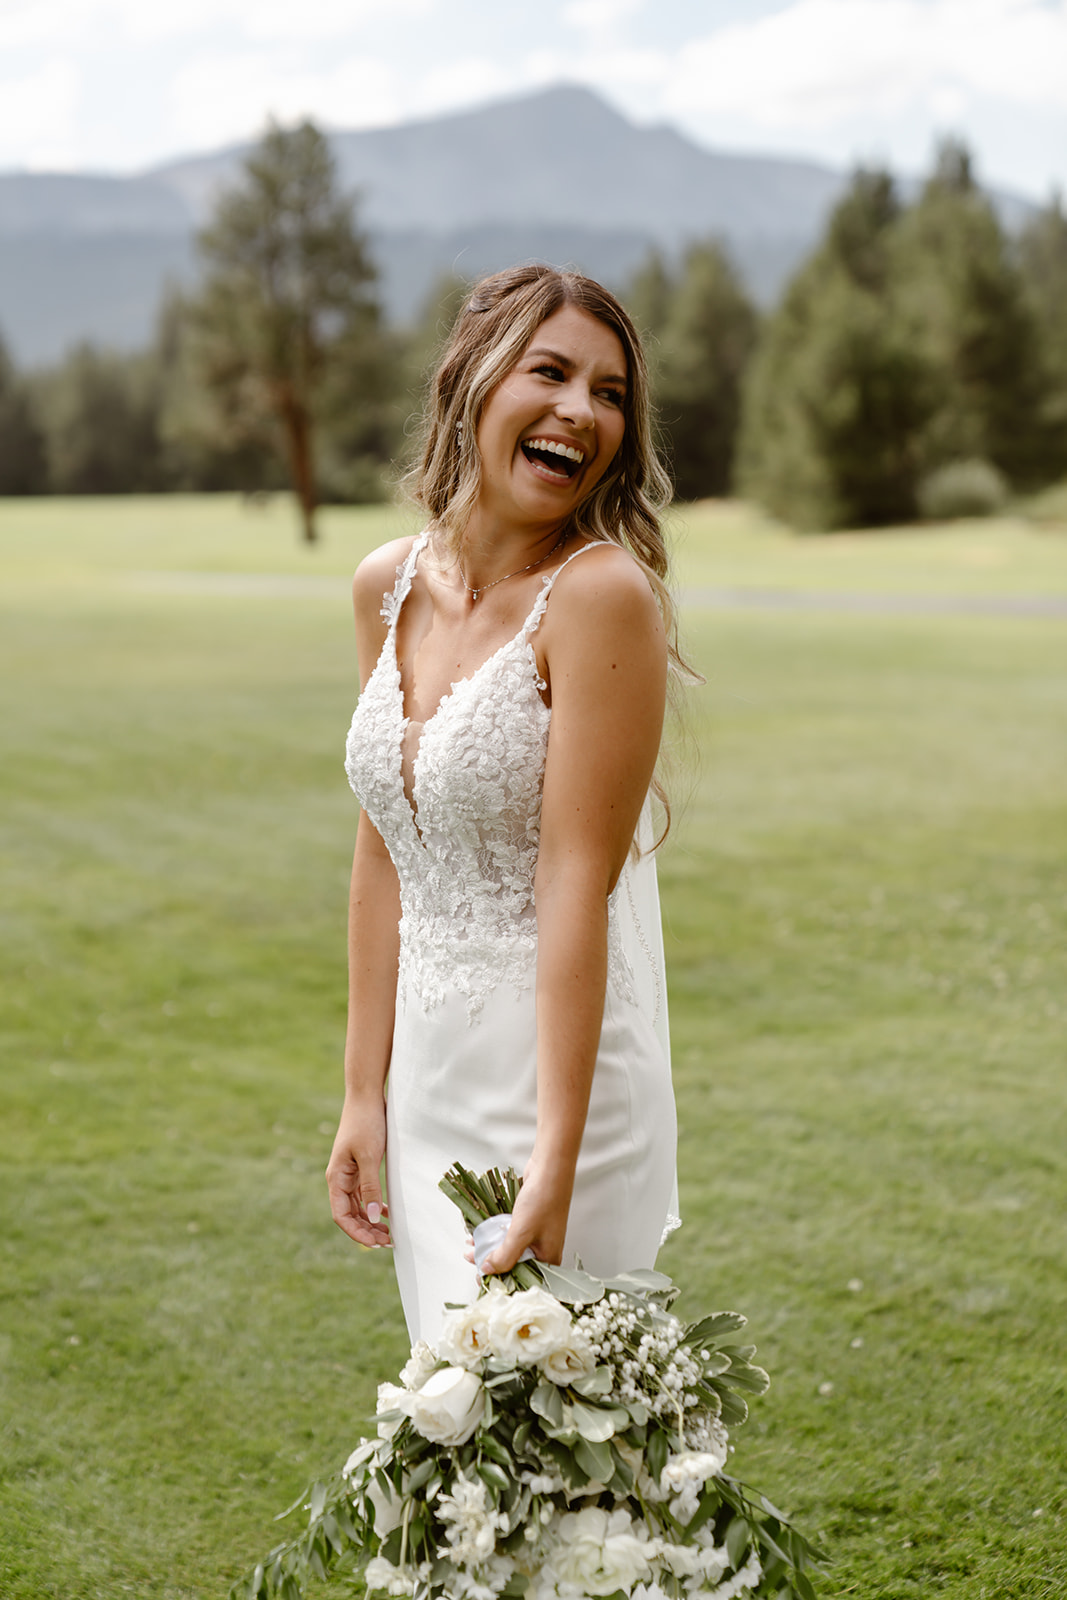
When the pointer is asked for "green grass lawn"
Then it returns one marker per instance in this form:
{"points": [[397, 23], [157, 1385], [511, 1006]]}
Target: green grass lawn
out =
{"points": [[866, 908]]}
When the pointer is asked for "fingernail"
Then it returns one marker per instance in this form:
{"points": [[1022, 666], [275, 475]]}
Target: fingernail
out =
{"points": [[374, 1213]]}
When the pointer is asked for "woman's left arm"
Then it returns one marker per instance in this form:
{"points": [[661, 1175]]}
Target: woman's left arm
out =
{"points": [[605, 658]]}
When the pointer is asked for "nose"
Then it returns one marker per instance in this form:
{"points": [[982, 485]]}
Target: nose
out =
{"points": [[574, 404]]}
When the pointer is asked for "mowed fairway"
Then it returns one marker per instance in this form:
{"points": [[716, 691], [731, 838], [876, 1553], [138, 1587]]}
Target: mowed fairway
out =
{"points": [[866, 906]]}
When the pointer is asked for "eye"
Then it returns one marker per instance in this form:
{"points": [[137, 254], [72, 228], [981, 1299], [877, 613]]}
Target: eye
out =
{"points": [[614, 397], [550, 370]]}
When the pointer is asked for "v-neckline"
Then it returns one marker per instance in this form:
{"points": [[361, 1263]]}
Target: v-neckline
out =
{"points": [[449, 694], [403, 589]]}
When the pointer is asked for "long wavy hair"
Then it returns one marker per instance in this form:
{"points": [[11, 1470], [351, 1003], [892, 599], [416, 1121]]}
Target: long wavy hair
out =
{"points": [[489, 336]]}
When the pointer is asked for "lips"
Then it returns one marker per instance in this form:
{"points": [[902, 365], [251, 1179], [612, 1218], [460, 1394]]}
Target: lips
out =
{"points": [[553, 458]]}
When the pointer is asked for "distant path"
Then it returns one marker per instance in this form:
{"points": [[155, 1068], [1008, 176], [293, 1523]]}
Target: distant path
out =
{"points": [[280, 585], [898, 605]]}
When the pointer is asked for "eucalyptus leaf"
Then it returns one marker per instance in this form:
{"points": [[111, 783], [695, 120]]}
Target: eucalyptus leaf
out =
{"points": [[640, 1280], [596, 1423], [571, 1285], [593, 1383], [547, 1402], [738, 1539], [595, 1459], [656, 1453], [421, 1474], [493, 1475]]}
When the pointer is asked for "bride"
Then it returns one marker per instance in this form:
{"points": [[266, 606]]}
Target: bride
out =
{"points": [[505, 954]]}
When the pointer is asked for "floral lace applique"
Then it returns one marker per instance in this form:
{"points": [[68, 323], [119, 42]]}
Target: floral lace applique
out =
{"points": [[467, 853]]}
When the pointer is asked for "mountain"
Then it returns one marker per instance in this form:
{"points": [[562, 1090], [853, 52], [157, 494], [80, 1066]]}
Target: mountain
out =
{"points": [[557, 175]]}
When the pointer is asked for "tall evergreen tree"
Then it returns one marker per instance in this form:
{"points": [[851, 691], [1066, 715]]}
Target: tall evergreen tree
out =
{"points": [[23, 464], [1043, 261], [287, 292], [963, 300], [100, 414], [838, 396], [708, 334]]}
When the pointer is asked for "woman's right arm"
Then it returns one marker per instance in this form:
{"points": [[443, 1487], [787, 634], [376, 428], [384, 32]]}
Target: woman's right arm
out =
{"points": [[354, 1170]]}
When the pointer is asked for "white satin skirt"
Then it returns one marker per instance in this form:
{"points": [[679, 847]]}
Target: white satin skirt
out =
{"points": [[467, 1091]]}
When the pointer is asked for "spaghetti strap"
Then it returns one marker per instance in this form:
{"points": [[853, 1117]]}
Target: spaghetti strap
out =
{"points": [[540, 604], [405, 572]]}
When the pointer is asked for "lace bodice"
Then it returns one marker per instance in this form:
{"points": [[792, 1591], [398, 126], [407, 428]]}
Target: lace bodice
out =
{"points": [[465, 844]]}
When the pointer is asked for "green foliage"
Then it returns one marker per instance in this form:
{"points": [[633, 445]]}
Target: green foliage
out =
{"points": [[906, 343], [23, 464], [285, 326], [426, 339], [100, 414], [549, 1450], [962, 489], [705, 343], [1043, 262], [962, 302], [838, 395], [648, 299]]}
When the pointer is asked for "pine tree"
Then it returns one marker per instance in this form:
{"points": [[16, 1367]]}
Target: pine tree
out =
{"points": [[708, 334], [1043, 261], [99, 411], [964, 303], [286, 296], [838, 397], [23, 464]]}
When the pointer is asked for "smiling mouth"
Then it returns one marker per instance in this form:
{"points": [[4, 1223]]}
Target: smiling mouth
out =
{"points": [[562, 461]]}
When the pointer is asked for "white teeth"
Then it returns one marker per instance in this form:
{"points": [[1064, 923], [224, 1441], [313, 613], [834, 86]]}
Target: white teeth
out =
{"points": [[552, 448]]}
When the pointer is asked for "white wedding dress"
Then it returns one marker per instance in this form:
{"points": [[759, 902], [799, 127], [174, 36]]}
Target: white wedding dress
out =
{"points": [[462, 1077]]}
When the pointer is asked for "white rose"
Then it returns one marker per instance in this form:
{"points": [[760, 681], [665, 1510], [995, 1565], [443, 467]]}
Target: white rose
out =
{"points": [[683, 1559], [419, 1365], [571, 1360], [381, 1574], [528, 1326], [388, 1508], [464, 1337], [448, 1407], [391, 1398], [598, 1553]]}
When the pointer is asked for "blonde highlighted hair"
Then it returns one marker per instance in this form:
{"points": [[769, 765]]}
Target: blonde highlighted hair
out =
{"points": [[489, 337], [492, 331]]}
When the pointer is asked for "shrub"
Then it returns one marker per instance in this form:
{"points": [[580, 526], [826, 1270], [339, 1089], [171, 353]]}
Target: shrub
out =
{"points": [[962, 489]]}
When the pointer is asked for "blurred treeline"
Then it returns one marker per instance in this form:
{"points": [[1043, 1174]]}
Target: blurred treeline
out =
{"points": [[916, 365]]}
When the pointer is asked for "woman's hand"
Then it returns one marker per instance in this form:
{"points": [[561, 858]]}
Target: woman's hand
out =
{"points": [[539, 1220], [354, 1173]]}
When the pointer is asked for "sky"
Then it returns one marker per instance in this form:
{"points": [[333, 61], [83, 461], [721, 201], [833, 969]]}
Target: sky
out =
{"points": [[120, 85]]}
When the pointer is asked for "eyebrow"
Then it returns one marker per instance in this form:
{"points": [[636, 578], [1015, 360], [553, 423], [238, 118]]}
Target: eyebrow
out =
{"points": [[564, 361]]}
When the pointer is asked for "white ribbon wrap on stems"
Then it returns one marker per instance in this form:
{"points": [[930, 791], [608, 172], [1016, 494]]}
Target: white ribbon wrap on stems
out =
{"points": [[490, 1233]]}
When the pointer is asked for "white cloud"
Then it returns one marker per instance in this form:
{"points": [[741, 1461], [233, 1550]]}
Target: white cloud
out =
{"points": [[461, 83], [49, 21], [816, 62], [224, 98], [38, 116], [599, 15]]}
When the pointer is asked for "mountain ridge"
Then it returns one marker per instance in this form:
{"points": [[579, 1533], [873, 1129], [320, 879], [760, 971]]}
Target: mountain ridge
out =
{"points": [[558, 174]]}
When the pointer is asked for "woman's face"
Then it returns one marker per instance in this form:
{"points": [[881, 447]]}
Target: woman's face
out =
{"points": [[551, 429]]}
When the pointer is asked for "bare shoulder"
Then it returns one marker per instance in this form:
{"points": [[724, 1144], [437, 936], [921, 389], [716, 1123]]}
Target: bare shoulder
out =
{"points": [[606, 589], [376, 573]]}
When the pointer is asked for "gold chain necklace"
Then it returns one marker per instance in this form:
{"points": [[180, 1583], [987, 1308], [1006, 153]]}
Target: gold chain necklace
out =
{"points": [[475, 593]]}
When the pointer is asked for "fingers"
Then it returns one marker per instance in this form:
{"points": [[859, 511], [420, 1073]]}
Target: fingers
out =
{"points": [[510, 1250], [356, 1206]]}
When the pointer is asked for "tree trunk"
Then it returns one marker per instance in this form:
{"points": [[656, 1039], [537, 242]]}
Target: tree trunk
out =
{"points": [[297, 426]]}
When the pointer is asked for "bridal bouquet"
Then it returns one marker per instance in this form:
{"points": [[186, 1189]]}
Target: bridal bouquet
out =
{"points": [[568, 1437]]}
